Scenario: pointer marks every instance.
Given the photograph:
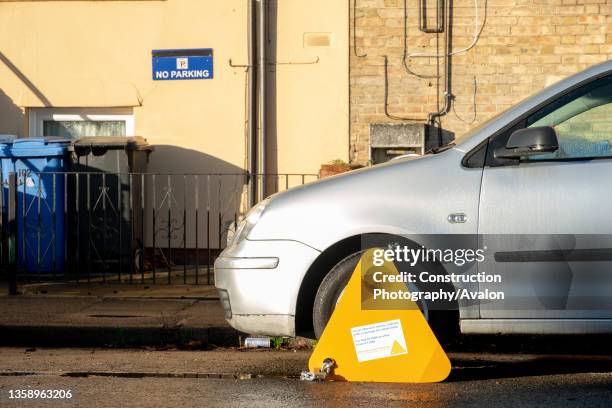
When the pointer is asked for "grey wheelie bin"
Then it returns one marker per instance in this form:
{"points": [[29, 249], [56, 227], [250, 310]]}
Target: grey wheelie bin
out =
{"points": [[108, 190]]}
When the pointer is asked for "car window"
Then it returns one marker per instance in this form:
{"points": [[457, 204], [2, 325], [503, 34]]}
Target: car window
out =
{"points": [[582, 120]]}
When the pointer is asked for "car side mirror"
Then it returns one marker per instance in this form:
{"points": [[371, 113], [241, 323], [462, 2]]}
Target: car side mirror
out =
{"points": [[529, 142]]}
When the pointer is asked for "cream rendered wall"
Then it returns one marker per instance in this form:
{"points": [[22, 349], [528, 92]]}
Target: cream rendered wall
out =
{"points": [[98, 54], [92, 54], [313, 99]]}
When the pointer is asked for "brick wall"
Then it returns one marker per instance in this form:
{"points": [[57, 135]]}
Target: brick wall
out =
{"points": [[524, 46]]}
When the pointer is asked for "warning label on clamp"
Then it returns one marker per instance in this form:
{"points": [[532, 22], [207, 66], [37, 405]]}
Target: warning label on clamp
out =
{"points": [[379, 340]]}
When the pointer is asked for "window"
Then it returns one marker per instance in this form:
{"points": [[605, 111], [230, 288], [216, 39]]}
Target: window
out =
{"points": [[582, 120], [74, 123]]}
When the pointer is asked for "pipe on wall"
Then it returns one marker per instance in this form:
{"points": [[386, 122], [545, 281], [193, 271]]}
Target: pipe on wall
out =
{"points": [[448, 97], [252, 104], [439, 17], [262, 57]]}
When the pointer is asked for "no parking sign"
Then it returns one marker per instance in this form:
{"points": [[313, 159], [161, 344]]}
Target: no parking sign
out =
{"points": [[173, 65]]}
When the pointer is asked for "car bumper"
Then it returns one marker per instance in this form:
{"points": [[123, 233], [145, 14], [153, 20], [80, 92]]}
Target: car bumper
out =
{"points": [[258, 283]]}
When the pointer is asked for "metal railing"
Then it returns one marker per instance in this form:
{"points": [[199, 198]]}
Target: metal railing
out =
{"points": [[109, 227]]}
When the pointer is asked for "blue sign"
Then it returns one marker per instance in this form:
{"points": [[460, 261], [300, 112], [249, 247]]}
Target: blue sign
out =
{"points": [[172, 65]]}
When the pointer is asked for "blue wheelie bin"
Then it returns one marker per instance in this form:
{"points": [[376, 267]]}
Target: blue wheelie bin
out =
{"points": [[39, 164]]}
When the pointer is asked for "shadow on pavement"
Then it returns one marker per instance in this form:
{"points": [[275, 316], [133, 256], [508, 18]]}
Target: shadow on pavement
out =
{"points": [[543, 344], [492, 357], [525, 366]]}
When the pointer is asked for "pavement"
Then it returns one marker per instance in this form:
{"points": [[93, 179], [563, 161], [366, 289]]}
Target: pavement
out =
{"points": [[119, 290], [184, 316], [160, 346], [242, 378], [115, 315]]}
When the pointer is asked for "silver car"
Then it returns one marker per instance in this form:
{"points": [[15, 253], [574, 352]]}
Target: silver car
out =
{"points": [[539, 175]]}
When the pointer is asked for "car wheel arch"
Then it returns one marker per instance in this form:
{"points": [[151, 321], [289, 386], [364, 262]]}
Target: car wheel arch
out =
{"points": [[319, 269]]}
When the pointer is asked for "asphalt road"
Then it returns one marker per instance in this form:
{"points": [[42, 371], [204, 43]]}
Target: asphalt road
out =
{"points": [[230, 378]]}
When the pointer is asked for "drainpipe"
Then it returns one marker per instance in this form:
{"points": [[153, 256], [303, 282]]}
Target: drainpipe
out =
{"points": [[448, 97], [252, 104], [262, 75]]}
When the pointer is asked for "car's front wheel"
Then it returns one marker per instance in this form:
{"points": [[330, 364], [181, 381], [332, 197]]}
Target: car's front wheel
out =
{"points": [[444, 323], [330, 290]]}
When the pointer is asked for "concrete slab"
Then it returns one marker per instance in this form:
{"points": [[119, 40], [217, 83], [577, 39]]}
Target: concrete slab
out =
{"points": [[136, 307], [119, 290], [129, 312], [207, 313], [24, 310], [91, 321]]}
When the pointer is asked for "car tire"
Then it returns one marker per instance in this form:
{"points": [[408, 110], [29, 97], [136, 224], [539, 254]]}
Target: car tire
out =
{"points": [[444, 323], [330, 289]]}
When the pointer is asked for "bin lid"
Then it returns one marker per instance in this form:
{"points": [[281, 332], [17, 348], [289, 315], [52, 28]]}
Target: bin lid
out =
{"points": [[4, 139], [5, 145], [37, 147], [100, 144]]}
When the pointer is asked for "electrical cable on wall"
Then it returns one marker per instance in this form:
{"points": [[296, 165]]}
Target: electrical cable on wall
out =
{"points": [[386, 105], [475, 90], [405, 56], [434, 117], [477, 33]]}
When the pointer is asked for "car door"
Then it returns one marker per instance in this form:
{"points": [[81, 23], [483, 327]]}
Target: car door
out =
{"points": [[545, 221]]}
